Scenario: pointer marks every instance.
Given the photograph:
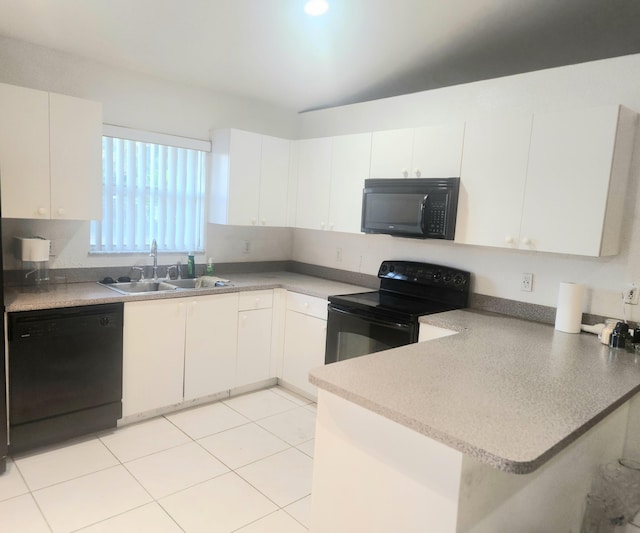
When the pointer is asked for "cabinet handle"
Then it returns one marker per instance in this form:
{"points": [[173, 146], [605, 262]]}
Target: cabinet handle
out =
{"points": [[508, 239], [61, 211], [253, 221], [526, 241], [264, 222], [405, 172], [322, 225], [305, 305], [41, 210], [417, 172], [244, 318]]}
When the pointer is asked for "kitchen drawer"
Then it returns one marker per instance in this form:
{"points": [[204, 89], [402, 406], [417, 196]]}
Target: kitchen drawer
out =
{"points": [[307, 305], [256, 300]]}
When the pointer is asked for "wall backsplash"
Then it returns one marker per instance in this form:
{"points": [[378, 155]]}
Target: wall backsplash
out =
{"points": [[70, 245]]}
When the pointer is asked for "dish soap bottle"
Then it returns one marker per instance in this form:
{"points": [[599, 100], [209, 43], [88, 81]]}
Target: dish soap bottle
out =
{"points": [[210, 267], [191, 266]]}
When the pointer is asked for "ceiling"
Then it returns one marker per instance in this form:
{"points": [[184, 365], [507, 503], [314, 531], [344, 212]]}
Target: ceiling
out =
{"points": [[360, 50]]}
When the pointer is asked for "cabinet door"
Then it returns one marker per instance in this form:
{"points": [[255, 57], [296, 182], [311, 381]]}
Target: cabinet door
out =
{"points": [[391, 153], [254, 346], [244, 178], [210, 345], [349, 167], [153, 355], [494, 170], [568, 175], [274, 181], [304, 345], [24, 152], [314, 181], [75, 127], [437, 151]]}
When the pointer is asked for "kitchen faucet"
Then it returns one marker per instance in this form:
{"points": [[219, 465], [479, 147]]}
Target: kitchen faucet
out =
{"points": [[154, 254]]}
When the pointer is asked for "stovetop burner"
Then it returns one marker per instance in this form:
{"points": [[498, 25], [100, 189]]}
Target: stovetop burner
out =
{"points": [[409, 290]]}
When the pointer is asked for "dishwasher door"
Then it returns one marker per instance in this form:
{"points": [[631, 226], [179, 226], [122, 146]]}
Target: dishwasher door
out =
{"points": [[65, 373]]}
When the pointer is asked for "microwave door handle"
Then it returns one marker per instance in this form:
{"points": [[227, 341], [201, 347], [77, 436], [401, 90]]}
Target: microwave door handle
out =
{"points": [[423, 214]]}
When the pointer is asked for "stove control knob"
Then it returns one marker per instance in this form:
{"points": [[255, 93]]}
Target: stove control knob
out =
{"points": [[392, 268], [437, 275], [383, 268], [459, 280], [447, 277]]}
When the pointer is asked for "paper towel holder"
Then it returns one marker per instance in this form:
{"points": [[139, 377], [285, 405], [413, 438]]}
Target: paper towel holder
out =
{"points": [[33, 252]]}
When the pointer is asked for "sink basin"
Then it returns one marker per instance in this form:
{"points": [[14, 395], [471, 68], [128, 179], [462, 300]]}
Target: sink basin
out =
{"points": [[137, 287], [182, 283], [206, 282]]}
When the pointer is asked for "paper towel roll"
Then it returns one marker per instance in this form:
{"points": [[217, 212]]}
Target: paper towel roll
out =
{"points": [[569, 310]]}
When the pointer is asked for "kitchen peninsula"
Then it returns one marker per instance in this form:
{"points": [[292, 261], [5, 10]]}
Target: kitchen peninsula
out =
{"points": [[499, 427]]}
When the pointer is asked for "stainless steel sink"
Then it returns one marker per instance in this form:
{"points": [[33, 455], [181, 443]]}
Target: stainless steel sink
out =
{"points": [[183, 283], [137, 287]]}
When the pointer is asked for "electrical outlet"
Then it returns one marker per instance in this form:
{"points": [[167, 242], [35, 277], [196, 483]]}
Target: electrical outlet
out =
{"points": [[247, 247], [526, 282], [338, 254], [630, 295]]}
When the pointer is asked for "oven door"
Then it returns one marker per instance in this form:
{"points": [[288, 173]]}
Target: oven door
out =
{"points": [[351, 334]]}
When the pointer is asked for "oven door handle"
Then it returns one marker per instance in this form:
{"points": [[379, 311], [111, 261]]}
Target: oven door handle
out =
{"points": [[394, 325]]}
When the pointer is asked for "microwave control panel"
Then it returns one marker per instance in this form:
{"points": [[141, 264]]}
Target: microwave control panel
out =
{"points": [[436, 215]]}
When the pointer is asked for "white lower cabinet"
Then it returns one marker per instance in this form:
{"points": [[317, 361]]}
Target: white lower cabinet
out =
{"points": [[153, 356], [210, 345], [255, 318], [181, 349], [177, 349], [304, 340]]}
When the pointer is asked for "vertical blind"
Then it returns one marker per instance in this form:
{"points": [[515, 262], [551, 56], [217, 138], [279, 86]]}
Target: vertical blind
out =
{"points": [[150, 191]]}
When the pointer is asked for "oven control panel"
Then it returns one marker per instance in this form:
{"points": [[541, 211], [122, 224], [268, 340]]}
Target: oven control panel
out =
{"points": [[425, 274]]}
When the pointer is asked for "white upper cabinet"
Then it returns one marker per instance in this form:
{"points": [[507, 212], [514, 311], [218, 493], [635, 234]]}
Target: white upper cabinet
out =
{"points": [[249, 179], [314, 182], [493, 175], [578, 169], [24, 152], [331, 174], [437, 151], [274, 181], [50, 155], [552, 182], [349, 168], [426, 152], [391, 153], [75, 127]]}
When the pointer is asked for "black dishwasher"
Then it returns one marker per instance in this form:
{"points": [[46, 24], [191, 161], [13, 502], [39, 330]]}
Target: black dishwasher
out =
{"points": [[65, 373]]}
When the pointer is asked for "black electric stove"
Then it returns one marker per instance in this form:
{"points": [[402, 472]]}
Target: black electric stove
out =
{"points": [[369, 322]]}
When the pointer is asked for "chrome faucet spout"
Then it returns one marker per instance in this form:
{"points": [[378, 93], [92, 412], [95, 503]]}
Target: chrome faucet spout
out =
{"points": [[154, 254]]}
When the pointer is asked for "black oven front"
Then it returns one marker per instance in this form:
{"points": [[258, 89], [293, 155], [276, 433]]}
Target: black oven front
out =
{"points": [[350, 334]]}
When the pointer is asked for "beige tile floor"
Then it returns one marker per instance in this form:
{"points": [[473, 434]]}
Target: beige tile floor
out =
{"points": [[243, 464]]}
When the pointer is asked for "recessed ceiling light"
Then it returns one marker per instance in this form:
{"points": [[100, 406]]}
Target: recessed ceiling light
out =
{"points": [[316, 7]]}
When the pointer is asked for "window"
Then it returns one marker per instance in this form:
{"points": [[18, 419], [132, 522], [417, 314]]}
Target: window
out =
{"points": [[150, 190]]}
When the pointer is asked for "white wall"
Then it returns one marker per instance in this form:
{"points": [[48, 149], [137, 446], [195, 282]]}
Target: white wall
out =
{"points": [[496, 272], [137, 100]]}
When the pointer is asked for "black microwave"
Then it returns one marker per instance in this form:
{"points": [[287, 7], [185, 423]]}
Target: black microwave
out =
{"points": [[424, 208]]}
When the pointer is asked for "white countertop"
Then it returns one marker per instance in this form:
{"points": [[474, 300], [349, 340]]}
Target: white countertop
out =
{"points": [[510, 392]]}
